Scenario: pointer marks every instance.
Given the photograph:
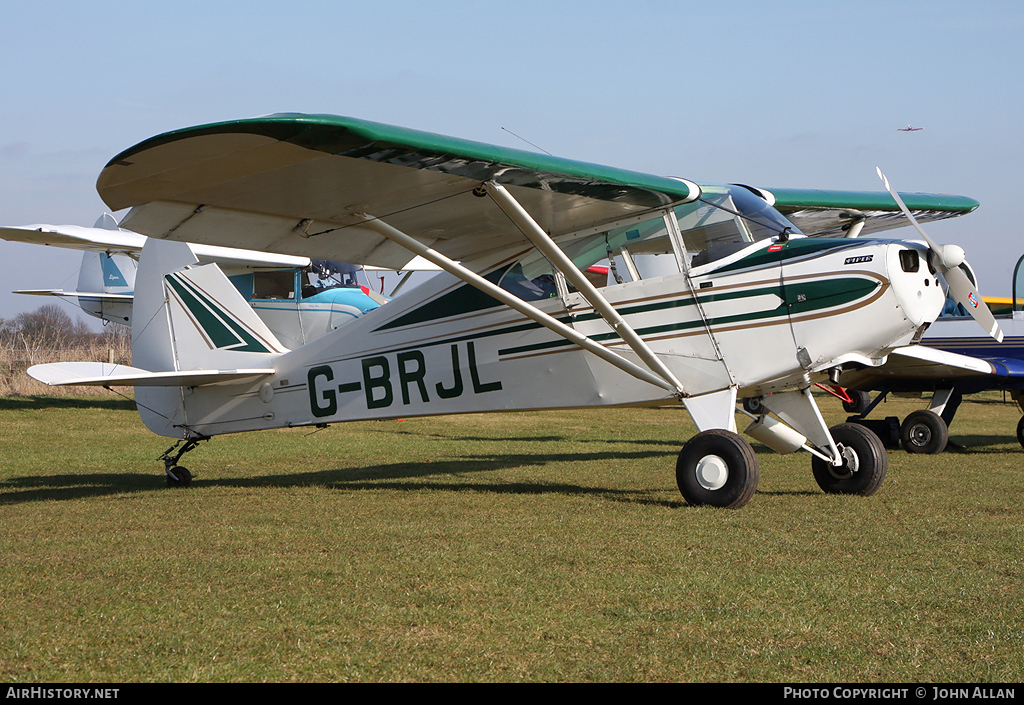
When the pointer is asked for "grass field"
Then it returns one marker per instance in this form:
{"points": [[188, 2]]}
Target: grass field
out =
{"points": [[546, 546]]}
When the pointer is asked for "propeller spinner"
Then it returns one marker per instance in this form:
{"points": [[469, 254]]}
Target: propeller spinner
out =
{"points": [[947, 260]]}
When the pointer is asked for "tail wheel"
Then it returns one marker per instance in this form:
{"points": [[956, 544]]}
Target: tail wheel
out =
{"points": [[717, 468], [864, 462], [924, 432], [178, 476]]}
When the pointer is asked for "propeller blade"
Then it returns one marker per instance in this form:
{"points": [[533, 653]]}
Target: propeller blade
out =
{"points": [[910, 216], [947, 259], [965, 293]]}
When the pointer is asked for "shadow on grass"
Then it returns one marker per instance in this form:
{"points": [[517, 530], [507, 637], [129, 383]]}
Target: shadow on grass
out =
{"points": [[982, 444], [519, 437], [43, 402], [399, 477]]}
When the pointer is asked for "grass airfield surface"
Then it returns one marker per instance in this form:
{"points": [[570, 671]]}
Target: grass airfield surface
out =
{"points": [[548, 546]]}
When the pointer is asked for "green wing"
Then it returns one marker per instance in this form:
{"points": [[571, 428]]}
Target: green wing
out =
{"points": [[820, 213], [298, 184], [302, 184]]}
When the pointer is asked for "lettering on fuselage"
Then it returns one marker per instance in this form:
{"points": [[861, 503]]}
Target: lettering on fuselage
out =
{"points": [[398, 376], [859, 259]]}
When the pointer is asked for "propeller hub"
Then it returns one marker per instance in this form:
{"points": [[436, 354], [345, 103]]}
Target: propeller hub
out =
{"points": [[952, 256]]}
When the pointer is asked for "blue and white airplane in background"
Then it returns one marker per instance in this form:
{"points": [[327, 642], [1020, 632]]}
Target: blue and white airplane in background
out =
{"points": [[298, 298]]}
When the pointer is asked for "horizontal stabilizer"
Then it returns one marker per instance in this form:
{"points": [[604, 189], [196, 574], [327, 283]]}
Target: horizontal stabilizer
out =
{"points": [[103, 374], [107, 241], [75, 237], [77, 294]]}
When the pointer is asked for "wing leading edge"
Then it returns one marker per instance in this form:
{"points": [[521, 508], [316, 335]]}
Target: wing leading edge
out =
{"points": [[304, 184], [826, 213]]}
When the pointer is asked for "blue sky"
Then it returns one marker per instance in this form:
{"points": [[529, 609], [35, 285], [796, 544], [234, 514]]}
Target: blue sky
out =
{"points": [[785, 94]]}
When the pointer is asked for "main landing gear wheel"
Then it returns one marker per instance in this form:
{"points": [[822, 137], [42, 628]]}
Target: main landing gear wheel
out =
{"points": [[717, 468], [178, 477], [925, 432], [864, 462], [1020, 431]]}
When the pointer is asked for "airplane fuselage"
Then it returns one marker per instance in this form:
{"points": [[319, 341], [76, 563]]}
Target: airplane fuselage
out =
{"points": [[764, 318]]}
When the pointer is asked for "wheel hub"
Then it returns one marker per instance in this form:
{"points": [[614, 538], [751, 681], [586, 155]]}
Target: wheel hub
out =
{"points": [[712, 472], [851, 463], [920, 435]]}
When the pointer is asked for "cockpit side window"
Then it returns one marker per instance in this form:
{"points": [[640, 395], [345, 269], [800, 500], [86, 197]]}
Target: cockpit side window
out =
{"points": [[724, 220], [274, 285], [618, 255], [727, 219]]}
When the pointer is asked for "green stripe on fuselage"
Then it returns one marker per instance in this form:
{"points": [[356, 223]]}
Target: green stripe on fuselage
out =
{"points": [[468, 299], [817, 295], [792, 250], [460, 300]]}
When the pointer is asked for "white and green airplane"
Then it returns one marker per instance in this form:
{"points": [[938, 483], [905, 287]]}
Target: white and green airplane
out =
{"points": [[714, 294]]}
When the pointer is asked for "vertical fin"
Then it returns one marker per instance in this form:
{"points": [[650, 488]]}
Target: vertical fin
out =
{"points": [[189, 317]]}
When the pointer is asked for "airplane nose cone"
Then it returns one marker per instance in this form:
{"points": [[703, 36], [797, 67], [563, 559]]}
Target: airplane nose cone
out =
{"points": [[917, 290]]}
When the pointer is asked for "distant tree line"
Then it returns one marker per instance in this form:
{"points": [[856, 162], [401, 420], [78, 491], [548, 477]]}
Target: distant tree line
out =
{"points": [[50, 334], [50, 327]]}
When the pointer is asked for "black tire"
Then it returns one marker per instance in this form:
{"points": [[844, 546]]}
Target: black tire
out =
{"points": [[1020, 431], [753, 405], [179, 477], [859, 401], [864, 466], [717, 468], [925, 432]]}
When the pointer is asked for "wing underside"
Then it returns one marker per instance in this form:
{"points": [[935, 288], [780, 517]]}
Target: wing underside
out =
{"points": [[919, 367], [304, 185]]}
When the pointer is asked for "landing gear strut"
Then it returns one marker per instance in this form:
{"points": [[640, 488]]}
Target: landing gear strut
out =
{"points": [[178, 476]]}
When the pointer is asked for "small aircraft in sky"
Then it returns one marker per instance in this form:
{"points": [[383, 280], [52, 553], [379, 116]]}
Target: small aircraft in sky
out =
{"points": [[717, 293], [909, 128]]}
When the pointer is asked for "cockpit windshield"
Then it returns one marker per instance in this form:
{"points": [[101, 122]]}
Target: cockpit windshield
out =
{"points": [[724, 220], [324, 274], [335, 274]]}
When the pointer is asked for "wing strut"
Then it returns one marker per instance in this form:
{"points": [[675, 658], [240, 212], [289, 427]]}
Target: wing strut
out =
{"points": [[514, 302], [543, 242]]}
